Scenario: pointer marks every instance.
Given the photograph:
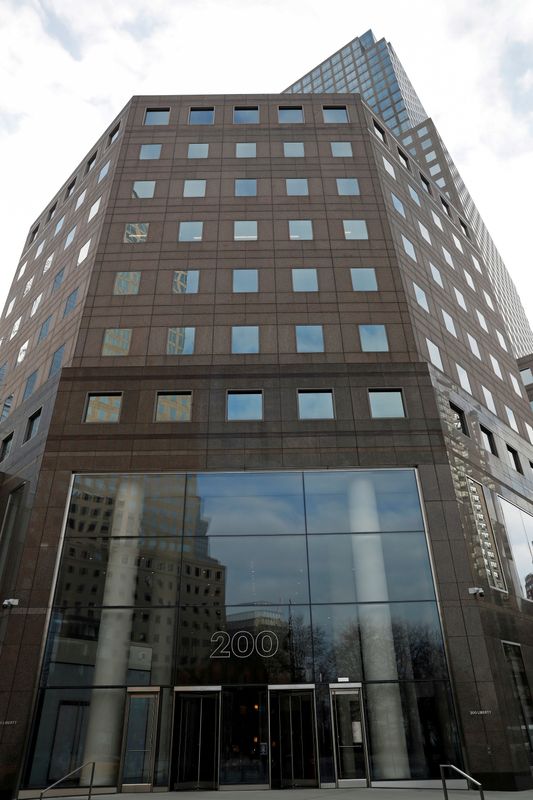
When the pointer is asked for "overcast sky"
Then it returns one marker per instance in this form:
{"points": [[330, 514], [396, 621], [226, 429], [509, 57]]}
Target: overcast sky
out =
{"points": [[67, 67]]}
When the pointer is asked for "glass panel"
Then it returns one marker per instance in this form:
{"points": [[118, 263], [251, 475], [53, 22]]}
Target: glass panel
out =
{"points": [[519, 527], [244, 406], [244, 741], [292, 733], [315, 405], [348, 736], [195, 756], [140, 740]]}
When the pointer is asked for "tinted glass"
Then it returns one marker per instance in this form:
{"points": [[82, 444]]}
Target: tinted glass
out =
{"points": [[173, 407], [157, 116], [347, 186], [304, 280], [335, 114], [150, 151], [245, 115], [309, 339], [364, 279], [245, 280], [244, 406], [300, 229], [315, 405], [341, 149], [143, 189], [386, 404], [245, 339], [245, 150], [355, 229], [198, 150], [373, 338], [190, 231], [290, 114], [297, 186], [194, 188], [201, 116], [293, 149], [245, 187]]}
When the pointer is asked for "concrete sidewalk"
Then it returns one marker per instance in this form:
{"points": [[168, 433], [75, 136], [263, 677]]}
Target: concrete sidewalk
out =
{"points": [[317, 794]]}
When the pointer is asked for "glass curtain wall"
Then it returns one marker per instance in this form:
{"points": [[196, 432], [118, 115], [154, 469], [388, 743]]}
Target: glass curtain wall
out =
{"points": [[243, 579]]}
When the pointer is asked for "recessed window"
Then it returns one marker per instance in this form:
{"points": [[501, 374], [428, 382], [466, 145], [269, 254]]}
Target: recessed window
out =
{"points": [[185, 281], [398, 205], [113, 136], [425, 183], [464, 380], [386, 403], [380, 133], [448, 258], [245, 150], [445, 206], [488, 300], [194, 188], [70, 303], [364, 279], [408, 247], [403, 159], [84, 251], [45, 328], [496, 367], [511, 418], [245, 115], [460, 299], [141, 190], [80, 200], [32, 427], [93, 211], [103, 172], [373, 338], [501, 339], [290, 114], [58, 226], [450, 324], [202, 116], [244, 406], [489, 399], [457, 242], [309, 339], [527, 376], [313, 404], [40, 248], [355, 229], [245, 339], [198, 150], [180, 341], [190, 231], [136, 232], [464, 229], [458, 419], [304, 280], [297, 186], [245, 280], [421, 298], [473, 346], [173, 407], [424, 231], [127, 283], [348, 186], [70, 238], [476, 263], [341, 149], [245, 187], [414, 195], [487, 440], [150, 152], [336, 115], [6, 407], [157, 116], [90, 165], [116, 342], [293, 149], [103, 407], [388, 166], [245, 230], [52, 211], [434, 354], [58, 280], [14, 329], [300, 229], [29, 388], [513, 459], [57, 360], [6, 446]]}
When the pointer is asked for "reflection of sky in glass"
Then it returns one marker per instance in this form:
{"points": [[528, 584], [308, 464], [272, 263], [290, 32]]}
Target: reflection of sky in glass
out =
{"points": [[373, 338], [304, 280], [519, 527], [245, 280], [309, 339], [245, 405], [245, 339], [315, 405], [386, 404]]}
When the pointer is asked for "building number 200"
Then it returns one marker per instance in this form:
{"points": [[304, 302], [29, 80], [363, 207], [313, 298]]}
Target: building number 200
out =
{"points": [[243, 644]]}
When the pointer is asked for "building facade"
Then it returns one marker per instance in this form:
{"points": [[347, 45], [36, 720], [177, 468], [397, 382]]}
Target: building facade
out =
{"points": [[267, 466]]}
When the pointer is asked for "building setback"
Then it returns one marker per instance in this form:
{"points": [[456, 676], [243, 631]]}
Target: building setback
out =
{"points": [[266, 464]]}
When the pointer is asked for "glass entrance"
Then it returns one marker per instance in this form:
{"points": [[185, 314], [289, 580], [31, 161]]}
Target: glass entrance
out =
{"points": [[244, 739], [347, 713], [196, 737], [292, 739], [139, 739]]}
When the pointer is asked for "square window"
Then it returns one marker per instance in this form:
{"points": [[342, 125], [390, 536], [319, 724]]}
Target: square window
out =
{"points": [[489, 399], [414, 195], [10, 307], [424, 231], [290, 114], [245, 150], [70, 238], [373, 338], [398, 205], [501, 339], [190, 231], [513, 458], [516, 385], [93, 211], [58, 227], [80, 200], [425, 183], [22, 352], [245, 115], [244, 406], [22, 270], [32, 427], [113, 136], [116, 342], [245, 187], [408, 247], [300, 229], [245, 280], [459, 419], [194, 188], [403, 159], [309, 339], [202, 116], [336, 115], [380, 133], [386, 403], [437, 277], [315, 404], [28, 286], [57, 360], [82, 255], [141, 190], [136, 232], [58, 280], [421, 298], [35, 305], [45, 327], [14, 329], [527, 376], [245, 339], [496, 367], [157, 116], [52, 211], [348, 186], [180, 341], [450, 324], [70, 303], [198, 150], [297, 186], [304, 280], [103, 172], [487, 440], [150, 152], [488, 300], [244, 230], [474, 346], [185, 281], [388, 166], [90, 164], [355, 229], [30, 386], [127, 283], [469, 280], [464, 380], [103, 407], [173, 407], [364, 279], [293, 149], [434, 354], [476, 263], [460, 299], [341, 149]]}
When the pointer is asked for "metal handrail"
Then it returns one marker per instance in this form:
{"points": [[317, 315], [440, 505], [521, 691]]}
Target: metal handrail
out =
{"points": [[53, 785], [469, 778]]}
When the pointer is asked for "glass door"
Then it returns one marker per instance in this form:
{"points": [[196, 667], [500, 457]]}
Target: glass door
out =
{"points": [[244, 739], [139, 740], [292, 738], [350, 759], [196, 738]]}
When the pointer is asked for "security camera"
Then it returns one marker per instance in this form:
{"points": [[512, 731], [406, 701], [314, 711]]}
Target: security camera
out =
{"points": [[10, 602], [477, 591]]}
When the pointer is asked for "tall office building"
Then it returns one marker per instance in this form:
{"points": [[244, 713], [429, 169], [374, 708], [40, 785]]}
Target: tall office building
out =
{"points": [[267, 465], [373, 69]]}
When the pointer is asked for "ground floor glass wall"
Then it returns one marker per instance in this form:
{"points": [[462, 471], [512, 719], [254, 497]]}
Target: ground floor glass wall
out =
{"points": [[267, 588]]}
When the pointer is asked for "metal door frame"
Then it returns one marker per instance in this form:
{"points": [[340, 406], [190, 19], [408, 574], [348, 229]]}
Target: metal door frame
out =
{"points": [[136, 691], [293, 687], [348, 688], [194, 690]]}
